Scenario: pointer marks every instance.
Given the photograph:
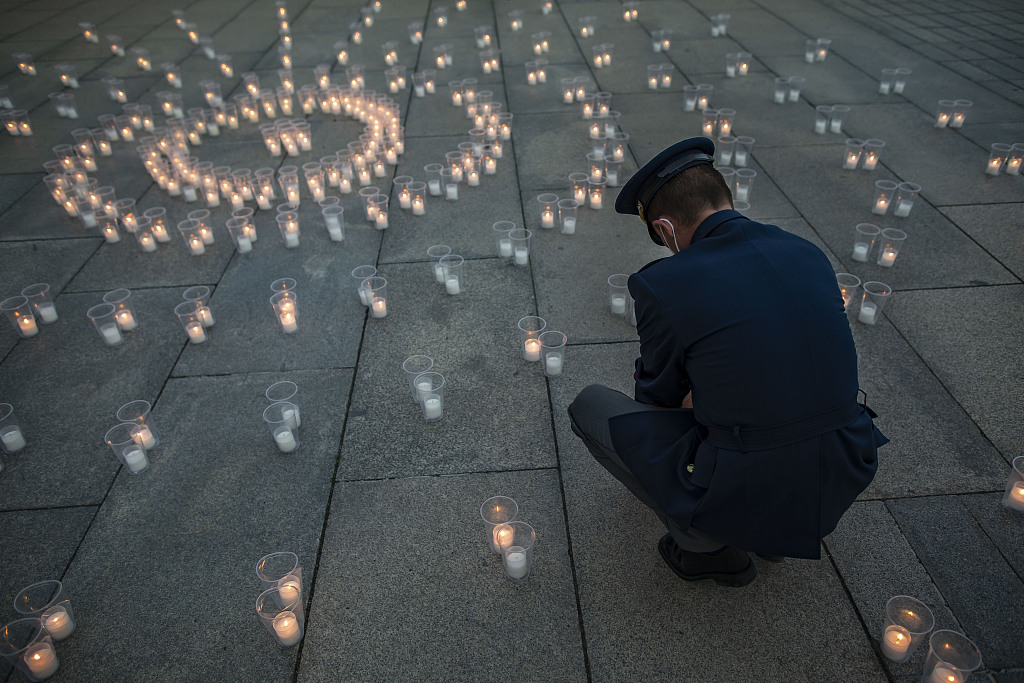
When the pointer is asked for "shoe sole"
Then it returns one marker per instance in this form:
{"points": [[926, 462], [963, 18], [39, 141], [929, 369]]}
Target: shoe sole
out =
{"points": [[735, 580]]}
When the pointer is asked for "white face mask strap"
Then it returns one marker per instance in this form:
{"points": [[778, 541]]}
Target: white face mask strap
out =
{"points": [[674, 241]]}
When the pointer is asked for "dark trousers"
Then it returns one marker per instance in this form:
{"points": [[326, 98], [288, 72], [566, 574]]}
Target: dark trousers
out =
{"points": [[589, 415]]}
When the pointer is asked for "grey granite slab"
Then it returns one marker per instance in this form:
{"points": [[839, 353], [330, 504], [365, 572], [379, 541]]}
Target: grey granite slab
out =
{"points": [[464, 225], [657, 615], [217, 496], [993, 227], [475, 344], [248, 336], [54, 262], [66, 385], [392, 574], [549, 147], [876, 562], [952, 547], [945, 328], [834, 201], [1002, 525]]}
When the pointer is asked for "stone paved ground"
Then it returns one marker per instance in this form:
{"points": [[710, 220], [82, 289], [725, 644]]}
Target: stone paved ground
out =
{"points": [[381, 507]]}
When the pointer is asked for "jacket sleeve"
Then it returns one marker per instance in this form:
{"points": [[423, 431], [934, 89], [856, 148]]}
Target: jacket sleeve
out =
{"points": [[660, 377]]}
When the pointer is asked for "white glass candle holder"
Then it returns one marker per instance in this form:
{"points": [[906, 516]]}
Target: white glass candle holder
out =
{"points": [[875, 296], [567, 215], [452, 267], [552, 352], [281, 614], [103, 317], [12, 438], [618, 294], [907, 622], [516, 541], [42, 302], [122, 441], [282, 420], [497, 512], [26, 646], [952, 657], [885, 193], [140, 413], [848, 286], [891, 242], [906, 195], [375, 289], [191, 322], [121, 299], [530, 329], [414, 366], [852, 154], [872, 153], [864, 241], [430, 388], [1013, 495]]}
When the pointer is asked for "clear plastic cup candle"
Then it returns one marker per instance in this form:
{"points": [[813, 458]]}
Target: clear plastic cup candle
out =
{"points": [[140, 413], [188, 316], [334, 219], [501, 229], [885, 81], [48, 602], [872, 302], [618, 294], [378, 206], [852, 154], [131, 454], [288, 224], [517, 540], [944, 113], [704, 91], [238, 229], [890, 243], [710, 121], [837, 118], [285, 391], [864, 241], [452, 267], [959, 115], [282, 419], [430, 386], [796, 85], [725, 120], [744, 184], [552, 351], [530, 329], [190, 233], [1013, 495], [281, 570], [106, 221], [613, 173], [725, 149], [360, 274], [848, 286], [201, 295], [127, 318], [907, 622], [26, 646], [414, 366], [286, 310], [900, 81], [952, 657], [497, 512], [520, 238], [596, 192], [103, 317], [39, 297], [885, 193], [450, 182], [12, 438], [1015, 160], [999, 152], [906, 195], [822, 113], [567, 210], [872, 153], [744, 148], [281, 614], [375, 289]]}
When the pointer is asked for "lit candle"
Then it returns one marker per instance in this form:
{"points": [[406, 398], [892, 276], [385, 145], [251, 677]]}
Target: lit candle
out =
{"points": [[432, 408], [547, 219], [521, 256], [881, 206], [887, 257], [196, 333], [286, 626], [144, 437], [285, 440], [895, 642], [381, 220], [1015, 500], [501, 536], [742, 193], [851, 160], [870, 161], [27, 326], [595, 200], [942, 121], [290, 588], [490, 166], [13, 439], [345, 184], [957, 120], [378, 307], [110, 234], [41, 660], [418, 209], [994, 165], [473, 178], [135, 459], [288, 322], [618, 304], [59, 623], [553, 365], [944, 673], [405, 199], [451, 285], [111, 334], [860, 252], [531, 350], [868, 313], [195, 245], [515, 563], [125, 320]]}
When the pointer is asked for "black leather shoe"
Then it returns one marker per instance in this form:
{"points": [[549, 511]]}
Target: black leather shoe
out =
{"points": [[728, 567], [772, 558]]}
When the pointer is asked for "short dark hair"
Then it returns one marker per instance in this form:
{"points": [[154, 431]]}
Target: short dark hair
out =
{"points": [[690, 194]]}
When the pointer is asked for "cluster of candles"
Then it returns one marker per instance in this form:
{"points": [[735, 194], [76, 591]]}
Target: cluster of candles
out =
{"points": [[952, 113], [195, 314], [1013, 496], [542, 345], [830, 118], [282, 415], [426, 386], [285, 302], [114, 316], [134, 435], [371, 290], [46, 618], [863, 154], [448, 269], [33, 307], [1005, 158], [816, 50], [509, 537], [898, 196], [952, 657], [279, 606], [874, 296]]}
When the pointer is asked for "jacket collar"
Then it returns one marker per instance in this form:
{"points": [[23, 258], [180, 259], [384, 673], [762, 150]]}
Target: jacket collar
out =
{"points": [[713, 221]]}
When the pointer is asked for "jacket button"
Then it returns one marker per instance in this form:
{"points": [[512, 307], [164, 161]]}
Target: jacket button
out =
{"points": [[689, 468]]}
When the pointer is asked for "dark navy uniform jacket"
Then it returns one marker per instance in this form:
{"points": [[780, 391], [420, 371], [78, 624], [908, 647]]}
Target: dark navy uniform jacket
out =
{"points": [[748, 317]]}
